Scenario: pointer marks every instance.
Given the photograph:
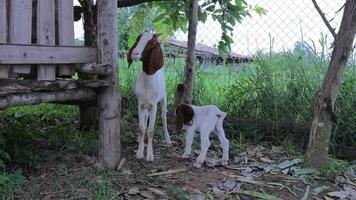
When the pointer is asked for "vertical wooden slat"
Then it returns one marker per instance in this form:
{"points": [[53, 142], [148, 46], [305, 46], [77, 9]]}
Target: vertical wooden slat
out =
{"points": [[46, 35], [4, 69], [108, 99], [20, 28], [65, 31]]}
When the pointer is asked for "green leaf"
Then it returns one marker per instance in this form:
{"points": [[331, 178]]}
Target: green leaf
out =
{"points": [[260, 11]]}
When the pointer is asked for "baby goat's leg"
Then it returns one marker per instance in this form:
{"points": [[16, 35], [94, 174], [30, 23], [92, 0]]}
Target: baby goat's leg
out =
{"points": [[150, 132], [142, 118], [224, 143], [204, 145], [188, 143], [164, 119]]}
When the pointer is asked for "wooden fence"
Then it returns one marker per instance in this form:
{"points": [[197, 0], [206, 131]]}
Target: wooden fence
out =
{"points": [[38, 60], [37, 39]]}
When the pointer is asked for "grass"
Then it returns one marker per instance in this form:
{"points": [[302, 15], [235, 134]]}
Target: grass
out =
{"points": [[278, 88]]}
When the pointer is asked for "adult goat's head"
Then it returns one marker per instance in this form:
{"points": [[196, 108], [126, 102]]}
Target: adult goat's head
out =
{"points": [[148, 50], [184, 116]]}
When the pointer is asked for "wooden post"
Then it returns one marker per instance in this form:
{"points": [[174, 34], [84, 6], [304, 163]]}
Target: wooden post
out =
{"points": [[4, 69], [46, 35], [108, 99], [320, 131], [65, 32], [20, 28], [190, 61], [88, 114]]}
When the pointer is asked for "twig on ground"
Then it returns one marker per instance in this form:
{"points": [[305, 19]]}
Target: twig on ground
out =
{"points": [[306, 194], [122, 161], [172, 171]]}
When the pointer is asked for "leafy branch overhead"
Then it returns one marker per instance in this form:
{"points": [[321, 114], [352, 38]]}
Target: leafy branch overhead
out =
{"points": [[168, 17]]}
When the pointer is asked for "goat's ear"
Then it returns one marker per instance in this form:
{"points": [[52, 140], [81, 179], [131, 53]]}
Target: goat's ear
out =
{"points": [[184, 116], [179, 119], [156, 59], [156, 35], [129, 59]]}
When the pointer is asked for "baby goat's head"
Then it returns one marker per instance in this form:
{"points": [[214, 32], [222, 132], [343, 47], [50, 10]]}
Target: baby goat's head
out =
{"points": [[184, 116], [148, 50]]}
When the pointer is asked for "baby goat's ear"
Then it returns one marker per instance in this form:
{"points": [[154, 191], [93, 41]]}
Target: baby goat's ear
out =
{"points": [[184, 116]]}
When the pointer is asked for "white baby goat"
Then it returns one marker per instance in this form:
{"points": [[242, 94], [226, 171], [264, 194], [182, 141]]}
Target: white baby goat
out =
{"points": [[150, 89], [205, 119]]}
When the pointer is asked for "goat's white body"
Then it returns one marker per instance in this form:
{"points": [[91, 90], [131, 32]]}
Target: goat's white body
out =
{"points": [[150, 90], [206, 119]]}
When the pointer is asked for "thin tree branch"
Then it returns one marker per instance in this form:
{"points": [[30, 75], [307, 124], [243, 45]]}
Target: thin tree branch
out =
{"points": [[324, 19], [128, 3]]}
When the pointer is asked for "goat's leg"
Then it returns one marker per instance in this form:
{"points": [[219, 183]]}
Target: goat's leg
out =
{"points": [[142, 119], [188, 143], [164, 121], [224, 144], [204, 145], [150, 132]]}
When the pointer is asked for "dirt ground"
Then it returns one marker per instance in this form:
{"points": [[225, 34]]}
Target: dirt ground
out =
{"points": [[82, 178]]}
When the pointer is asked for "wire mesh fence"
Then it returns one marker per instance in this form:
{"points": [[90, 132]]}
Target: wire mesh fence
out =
{"points": [[277, 64]]}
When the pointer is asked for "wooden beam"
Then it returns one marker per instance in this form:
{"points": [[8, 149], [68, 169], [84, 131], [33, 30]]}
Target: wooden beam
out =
{"points": [[13, 86], [108, 99], [46, 36], [4, 69], [102, 69], [42, 97], [37, 54]]}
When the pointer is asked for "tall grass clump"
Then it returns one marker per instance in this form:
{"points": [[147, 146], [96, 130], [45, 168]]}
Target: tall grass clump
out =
{"points": [[277, 87]]}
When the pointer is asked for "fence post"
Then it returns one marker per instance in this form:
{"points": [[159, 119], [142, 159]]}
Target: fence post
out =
{"points": [[108, 99], [4, 69]]}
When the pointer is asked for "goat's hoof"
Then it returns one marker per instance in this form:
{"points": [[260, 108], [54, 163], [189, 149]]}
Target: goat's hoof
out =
{"points": [[169, 142], [198, 164], [185, 155], [149, 158], [139, 155], [224, 162]]}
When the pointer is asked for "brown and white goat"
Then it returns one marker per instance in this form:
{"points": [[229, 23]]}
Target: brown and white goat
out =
{"points": [[150, 89], [204, 119]]}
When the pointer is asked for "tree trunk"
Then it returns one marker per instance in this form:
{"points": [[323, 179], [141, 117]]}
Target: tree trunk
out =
{"points": [[190, 61], [109, 97], [88, 114], [318, 146]]}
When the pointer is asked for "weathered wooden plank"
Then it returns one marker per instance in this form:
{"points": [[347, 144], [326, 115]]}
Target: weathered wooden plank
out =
{"points": [[65, 31], [37, 54], [108, 99], [15, 86], [101, 69], [4, 69], [46, 35], [41, 97], [20, 25]]}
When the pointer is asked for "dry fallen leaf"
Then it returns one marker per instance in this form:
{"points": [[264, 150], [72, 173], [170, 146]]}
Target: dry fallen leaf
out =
{"points": [[217, 192], [134, 190], [147, 194]]}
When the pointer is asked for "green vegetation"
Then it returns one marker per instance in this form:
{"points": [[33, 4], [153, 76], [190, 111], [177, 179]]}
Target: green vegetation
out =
{"points": [[277, 88]]}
